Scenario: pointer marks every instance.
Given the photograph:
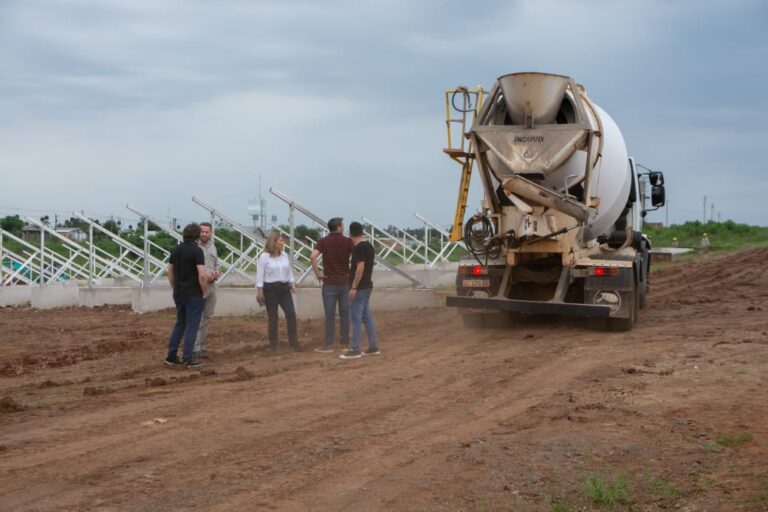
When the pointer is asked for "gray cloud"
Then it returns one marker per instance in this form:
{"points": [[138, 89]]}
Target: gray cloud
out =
{"points": [[339, 104]]}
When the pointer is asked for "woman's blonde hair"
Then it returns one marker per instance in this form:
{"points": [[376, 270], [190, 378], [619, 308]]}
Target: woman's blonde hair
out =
{"points": [[271, 246]]}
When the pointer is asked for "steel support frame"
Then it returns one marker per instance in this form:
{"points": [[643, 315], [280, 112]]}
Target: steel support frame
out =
{"points": [[323, 225]]}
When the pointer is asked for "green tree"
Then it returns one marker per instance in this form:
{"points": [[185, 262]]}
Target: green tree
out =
{"points": [[12, 224], [112, 226]]}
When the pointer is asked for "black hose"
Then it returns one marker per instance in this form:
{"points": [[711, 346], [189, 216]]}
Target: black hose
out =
{"points": [[465, 93], [481, 243]]}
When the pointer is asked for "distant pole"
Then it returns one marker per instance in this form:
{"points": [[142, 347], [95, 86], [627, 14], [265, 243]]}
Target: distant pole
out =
{"points": [[704, 217], [90, 256], [711, 211], [2, 258], [291, 232], [145, 266]]}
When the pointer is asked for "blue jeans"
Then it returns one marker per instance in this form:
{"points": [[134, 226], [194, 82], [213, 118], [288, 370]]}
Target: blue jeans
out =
{"points": [[361, 314], [189, 310], [336, 294]]}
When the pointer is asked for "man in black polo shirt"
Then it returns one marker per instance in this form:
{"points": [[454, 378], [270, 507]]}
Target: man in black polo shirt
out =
{"points": [[335, 249], [186, 273], [360, 289]]}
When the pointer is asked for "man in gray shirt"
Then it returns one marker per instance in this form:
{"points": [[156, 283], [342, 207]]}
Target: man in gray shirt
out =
{"points": [[212, 267]]}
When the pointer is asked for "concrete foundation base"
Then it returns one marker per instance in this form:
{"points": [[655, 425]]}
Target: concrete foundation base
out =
{"points": [[308, 301], [230, 301], [15, 296], [94, 297], [49, 297]]}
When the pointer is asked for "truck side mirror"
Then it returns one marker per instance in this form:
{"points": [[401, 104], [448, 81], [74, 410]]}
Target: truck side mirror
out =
{"points": [[658, 195], [656, 178]]}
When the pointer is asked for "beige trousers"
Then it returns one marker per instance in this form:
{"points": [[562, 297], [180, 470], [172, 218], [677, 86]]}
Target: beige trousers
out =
{"points": [[205, 321]]}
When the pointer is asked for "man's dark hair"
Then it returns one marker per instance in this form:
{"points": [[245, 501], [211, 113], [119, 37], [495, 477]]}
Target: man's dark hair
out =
{"points": [[191, 232], [334, 224], [206, 224], [355, 229]]}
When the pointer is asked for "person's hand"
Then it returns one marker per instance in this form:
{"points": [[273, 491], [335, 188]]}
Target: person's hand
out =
{"points": [[293, 287], [352, 294], [260, 297], [216, 274], [205, 295], [320, 276]]}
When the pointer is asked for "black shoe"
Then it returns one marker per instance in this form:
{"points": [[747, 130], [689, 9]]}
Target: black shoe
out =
{"points": [[194, 363], [372, 352], [352, 354], [173, 361]]}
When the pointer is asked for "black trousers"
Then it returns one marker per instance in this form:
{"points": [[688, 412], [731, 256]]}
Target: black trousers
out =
{"points": [[275, 294]]}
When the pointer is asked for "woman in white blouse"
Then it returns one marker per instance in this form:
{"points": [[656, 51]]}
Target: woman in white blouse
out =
{"points": [[274, 286]]}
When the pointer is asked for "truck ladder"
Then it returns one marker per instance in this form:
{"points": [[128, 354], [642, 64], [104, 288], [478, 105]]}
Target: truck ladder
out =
{"points": [[471, 102]]}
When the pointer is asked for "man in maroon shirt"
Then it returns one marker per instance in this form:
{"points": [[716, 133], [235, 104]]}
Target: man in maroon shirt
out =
{"points": [[335, 249]]}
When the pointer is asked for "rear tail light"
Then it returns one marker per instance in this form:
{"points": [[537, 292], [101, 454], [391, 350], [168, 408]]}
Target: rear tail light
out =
{"points": [[604, 271], [475, 270]]}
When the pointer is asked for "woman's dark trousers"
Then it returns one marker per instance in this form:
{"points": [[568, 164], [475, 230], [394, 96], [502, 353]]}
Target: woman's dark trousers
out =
{"points": [[280, 294]]}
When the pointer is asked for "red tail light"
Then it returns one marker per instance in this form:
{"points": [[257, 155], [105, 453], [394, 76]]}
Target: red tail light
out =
{"points": [[475, 270], [605, 271]]}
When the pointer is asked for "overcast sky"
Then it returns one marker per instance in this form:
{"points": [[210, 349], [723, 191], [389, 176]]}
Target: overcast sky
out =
{"points": [[339, 104]]}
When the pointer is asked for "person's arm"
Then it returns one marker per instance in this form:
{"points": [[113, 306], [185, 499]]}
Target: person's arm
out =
{"points": [[217, 264], [202, 278], [170, 274], [260, 264], [291, 279], [315, 267], [359, 269]]}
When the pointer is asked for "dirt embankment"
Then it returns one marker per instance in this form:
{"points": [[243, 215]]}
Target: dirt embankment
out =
{"points": [[671, 415]]}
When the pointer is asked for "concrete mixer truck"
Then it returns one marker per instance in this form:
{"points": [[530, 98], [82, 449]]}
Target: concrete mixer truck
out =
{"points": [[559, 227]]}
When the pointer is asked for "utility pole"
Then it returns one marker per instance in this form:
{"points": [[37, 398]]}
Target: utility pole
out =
{"points": [[711, 211], [704, 217]]}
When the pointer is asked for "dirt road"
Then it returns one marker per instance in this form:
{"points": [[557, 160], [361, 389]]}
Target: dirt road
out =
{"points": [[672, 415]]}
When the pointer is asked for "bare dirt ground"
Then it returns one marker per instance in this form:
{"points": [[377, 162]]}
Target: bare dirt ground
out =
{"points": [[672, 413]]}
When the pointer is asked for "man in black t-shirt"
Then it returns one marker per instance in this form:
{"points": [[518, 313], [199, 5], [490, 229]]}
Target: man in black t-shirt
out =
{"points": [[360, 289], [186, 273]]}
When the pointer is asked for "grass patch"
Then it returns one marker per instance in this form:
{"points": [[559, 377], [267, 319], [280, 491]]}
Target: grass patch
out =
{"points": [[662, 487], [723, 236], [609, 494], [734, 441], [562, 506], [704, 482]]}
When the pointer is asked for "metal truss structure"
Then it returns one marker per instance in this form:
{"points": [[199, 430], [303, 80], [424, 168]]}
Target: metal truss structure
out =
{"points": [[54, 257], [293, 206]]}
